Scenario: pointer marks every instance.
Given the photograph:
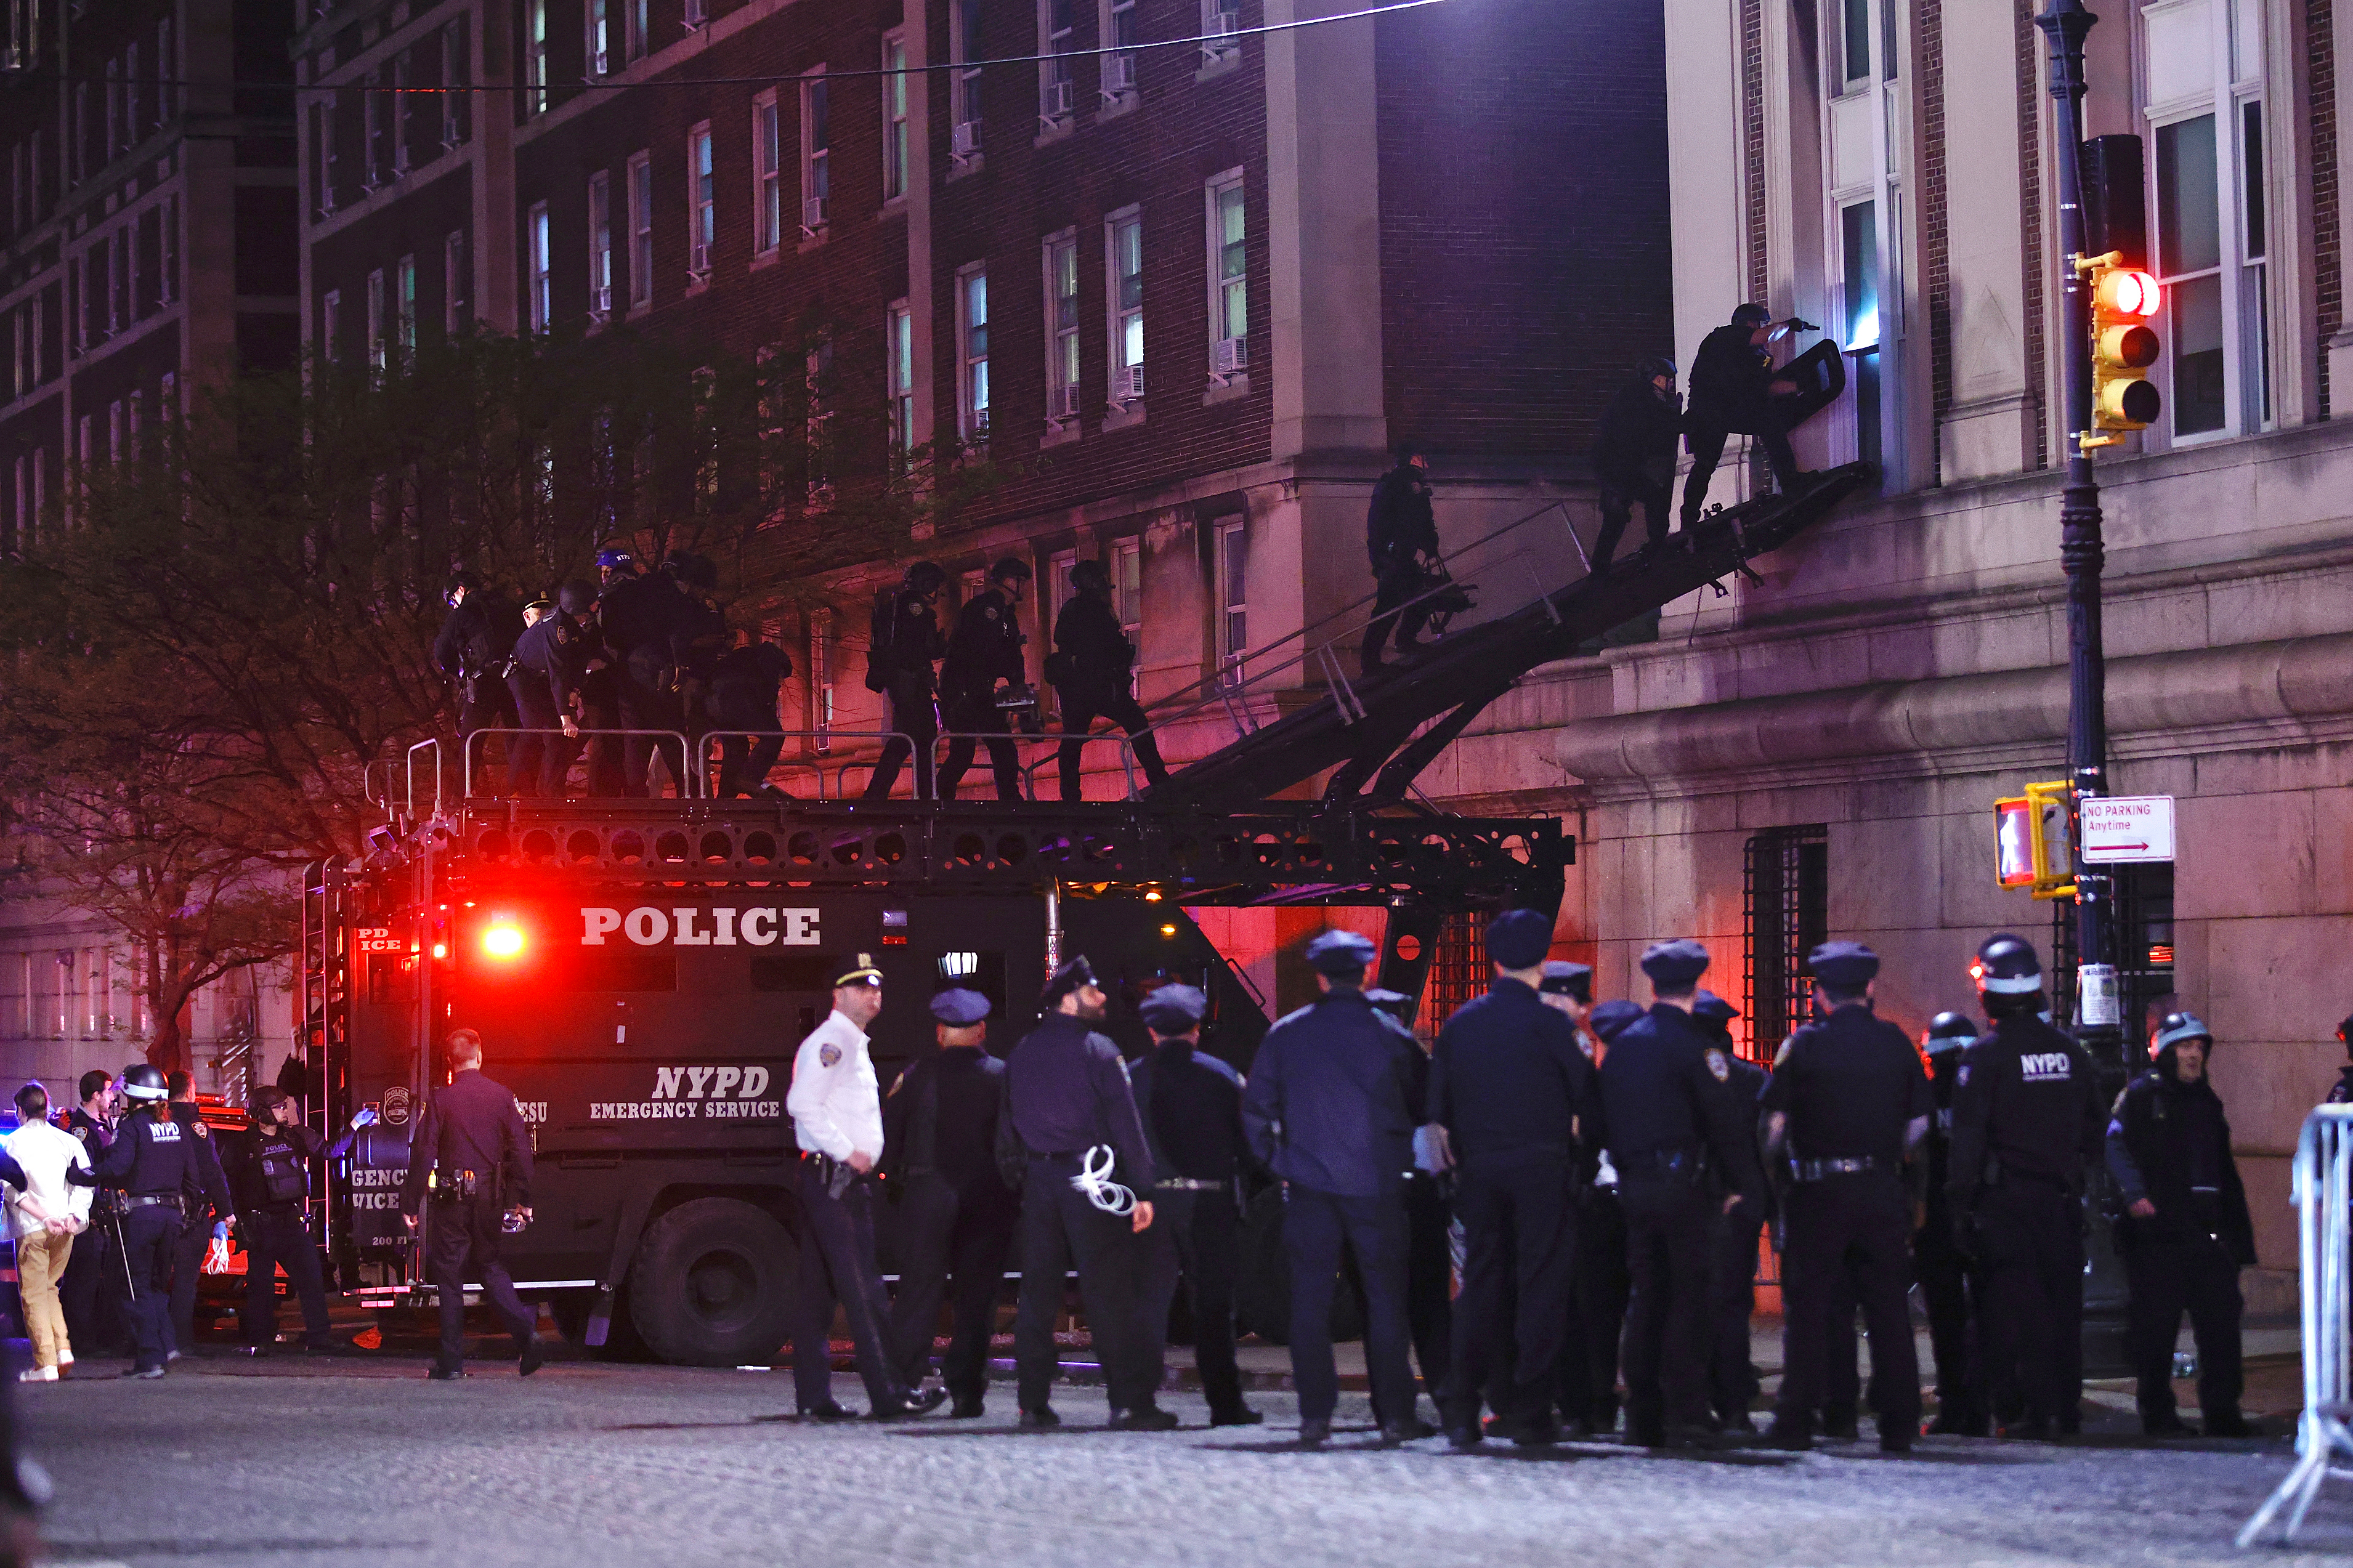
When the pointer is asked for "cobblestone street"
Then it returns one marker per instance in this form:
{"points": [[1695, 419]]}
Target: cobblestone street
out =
{"points": [[363, 1462]]}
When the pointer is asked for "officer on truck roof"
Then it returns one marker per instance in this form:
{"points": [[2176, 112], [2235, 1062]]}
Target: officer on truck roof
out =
{"points": [[984, 653]]}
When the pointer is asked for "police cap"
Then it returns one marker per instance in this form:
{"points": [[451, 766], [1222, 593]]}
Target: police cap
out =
{"points": [[959, 1008], [1610, 1020], [541, 603], [1708, 1004], [1751, 316], [1173, 1010], [856, 970], [1340, 955], [1948, 1032], [2007, 965], [1564, 979], [2176, 1028], [1519, 938], [1676, 964], [1844, 966], [1073, 973]]}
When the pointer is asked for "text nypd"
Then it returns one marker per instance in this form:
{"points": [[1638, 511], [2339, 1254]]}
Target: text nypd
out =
{"points": [[697, 927], [699, 1094]]}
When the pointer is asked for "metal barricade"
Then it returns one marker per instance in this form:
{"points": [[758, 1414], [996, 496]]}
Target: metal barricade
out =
{"points": [[817, 755], [688, 788], [1040, 748], [2323, 1190]]}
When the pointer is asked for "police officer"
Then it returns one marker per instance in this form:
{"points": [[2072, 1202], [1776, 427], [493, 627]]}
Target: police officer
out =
{"points": [[274, 1175], [549, 670], [900, 667], [1734, 387], [1732, 1249], [645, 619], [93, 1293], [1950, 1288], [1429, 1221], [1847, 1102], [985, 652], [153, 1162], [476, 639], [2185, 1233], [206, 1224], [955, 1213], [470, 1154], [1601, 1283], [1329, 1108], [742, 704], [1095, 665], [2341, 1093], [1073, 1134], [1513, 1091], [1191, 1106], [1670, 1119], [1402, 537], [837, 1123], [2026, 1120], [1634, 458]]}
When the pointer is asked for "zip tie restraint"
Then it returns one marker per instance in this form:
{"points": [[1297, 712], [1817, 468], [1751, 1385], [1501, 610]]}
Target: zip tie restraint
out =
{"points": [[1094, 1180]]}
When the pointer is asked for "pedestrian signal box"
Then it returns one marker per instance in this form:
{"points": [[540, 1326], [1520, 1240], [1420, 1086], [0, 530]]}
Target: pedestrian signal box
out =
{"points": [[2033, 837]]}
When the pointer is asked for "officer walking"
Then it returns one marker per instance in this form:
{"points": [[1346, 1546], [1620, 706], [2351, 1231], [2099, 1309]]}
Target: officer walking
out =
{"points": [[1846, 1104], [1732, 1246], [1734, 387], [1401, 538], [956, 1216], [471, 652], [1951, 1286], [984, 652], [1513, 1091], [1191, 1106], [837, 1123], [94, 1294], [2185, 1232], [470, 1154], [1329, 1110], [153, 1162], [1094, 678], [205, 1225], [1073, 1134], [905, 644], [743, 703], [1634, 458], [275, 1175], [2026, 1120], [644, 620], [546, 685], [1670, 1119]]}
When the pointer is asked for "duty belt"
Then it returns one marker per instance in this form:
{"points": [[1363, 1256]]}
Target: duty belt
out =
{"points": [[150, 1200], [1817, 1169], [1190, 1184]]}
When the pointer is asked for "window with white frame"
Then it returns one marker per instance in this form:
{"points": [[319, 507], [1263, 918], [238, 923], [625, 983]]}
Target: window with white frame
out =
{"points": [[1864, 104], [635, 27], [1057, 37], [2205, 95], [899, 349], [457, 283], [767, 172], [1061, 587], [534, 56], [1124, 272], [1230, 537], [403, 305], [1118, 24], [454, 42], [330, 325], [1062, 327], [1126, 566], [400, 115], [1228, 278], [964, 81], [817, 154], [1220, 20], [641, 230], [972, 357], [702, 203], [600, 244], [598, 15], [376, 320], [539, 246], [894, 118]]}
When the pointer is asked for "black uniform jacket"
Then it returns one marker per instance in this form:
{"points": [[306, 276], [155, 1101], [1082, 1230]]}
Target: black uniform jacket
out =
{"points": [[743, 685], [1191, 1103], [1850, 1086], [477, 636], [553, 654], [939, 1118], [2152, 1136], [1507, 1077], [474, 1125], [916, 644], [1066, 1091], [2026, 1105], [1400, 520], [985, 647], [1635, 443], [160, 1159], [1728, 377], [272, 1150], [212, 1176], [1099, 653], [1667, 1092], [1330, 1103]]}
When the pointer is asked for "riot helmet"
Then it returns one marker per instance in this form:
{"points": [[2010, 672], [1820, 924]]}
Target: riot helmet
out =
{"points": [[143, 1081], [1088, 576], [2009, 975], [1010, 567], [1655, 366], [925, 578], [1751, 316], [575, 597], [1948, 1031]]}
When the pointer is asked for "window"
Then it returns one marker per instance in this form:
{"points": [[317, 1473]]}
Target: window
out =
{"points": [[1786, 915], [701, 202], [899, 347], [400, 115], [330, 325], [1062, 329], [78, 299], [454, 42], [114, 433], [457, 284], [1220, 19], [167, 400], [133, 407], [81, 129], [768, 170], [376, 320], [1060, 569], [600, 244], [1864, 247], [964, 81], [817, 446], [39, 355], [403, 307], [113, 108], [1123, 240], [972, 332], [132, 127], [21, 536], [371, 134], [1118, 71], [698, 12], [134, 252], [167, 280], [636, 20], [895, 119], [117, 280], [598, 15], [535, 58], [542, 286], [1126, 566], [1057, 28], [323, 157], [1228, 278], [1232, 541], [641, 230], [817, 156]]}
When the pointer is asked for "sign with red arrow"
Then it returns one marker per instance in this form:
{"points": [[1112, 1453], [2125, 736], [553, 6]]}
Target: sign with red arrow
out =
{"points": [[2124, 827]]}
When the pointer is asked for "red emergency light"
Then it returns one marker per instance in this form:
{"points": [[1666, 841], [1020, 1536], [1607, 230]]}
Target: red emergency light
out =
{"points": [[503, 938]]}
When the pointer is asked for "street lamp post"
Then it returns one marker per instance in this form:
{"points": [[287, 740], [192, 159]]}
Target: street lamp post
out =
{"points": [[2064, 23]]}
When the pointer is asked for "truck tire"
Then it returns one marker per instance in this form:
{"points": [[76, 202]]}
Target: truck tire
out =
{"points": [[713, 1285]]}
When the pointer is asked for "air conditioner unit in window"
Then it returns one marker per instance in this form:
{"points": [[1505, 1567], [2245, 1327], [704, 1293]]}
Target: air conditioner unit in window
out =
{"points": [[1119, 76], [1127, 384], [1220, 23], [1061, 404], [699, 260], [966, 141], [1231, 356], [597, 63], [698, 12], [1218, 28], [1054, 103], [812, 216], [604, 306]]}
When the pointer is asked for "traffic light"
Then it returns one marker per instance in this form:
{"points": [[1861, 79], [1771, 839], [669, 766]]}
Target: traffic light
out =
{"points": [[2034, 840], [2124, 345]]}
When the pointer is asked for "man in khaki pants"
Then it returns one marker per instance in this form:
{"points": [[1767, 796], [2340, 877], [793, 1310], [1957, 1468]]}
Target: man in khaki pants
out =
{"points": [[45, 1214]]}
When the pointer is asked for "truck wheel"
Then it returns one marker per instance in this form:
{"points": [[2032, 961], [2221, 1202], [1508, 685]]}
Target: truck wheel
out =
{"points": [[713, 1285]]}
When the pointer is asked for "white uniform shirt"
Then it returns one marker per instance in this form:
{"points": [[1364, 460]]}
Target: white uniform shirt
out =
{"points": [[45, 1150], [835, 1103]]}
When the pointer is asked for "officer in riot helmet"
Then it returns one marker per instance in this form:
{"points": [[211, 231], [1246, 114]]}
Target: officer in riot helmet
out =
{"points": [[1634, 458], [906, 645], [274, 1176], [646, 619], [469, 1173], [2027, 1122], [156, 1164], [550, 666], [1401, 538], [2185, 1232], [984, 657], [1093, 676], [477, 639], [1735, 388], [1950, 1285], [743, 703]]}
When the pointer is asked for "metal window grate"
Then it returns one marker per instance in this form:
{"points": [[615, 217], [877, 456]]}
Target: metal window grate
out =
{"points": [[1457, 972], [1785, 888]]}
